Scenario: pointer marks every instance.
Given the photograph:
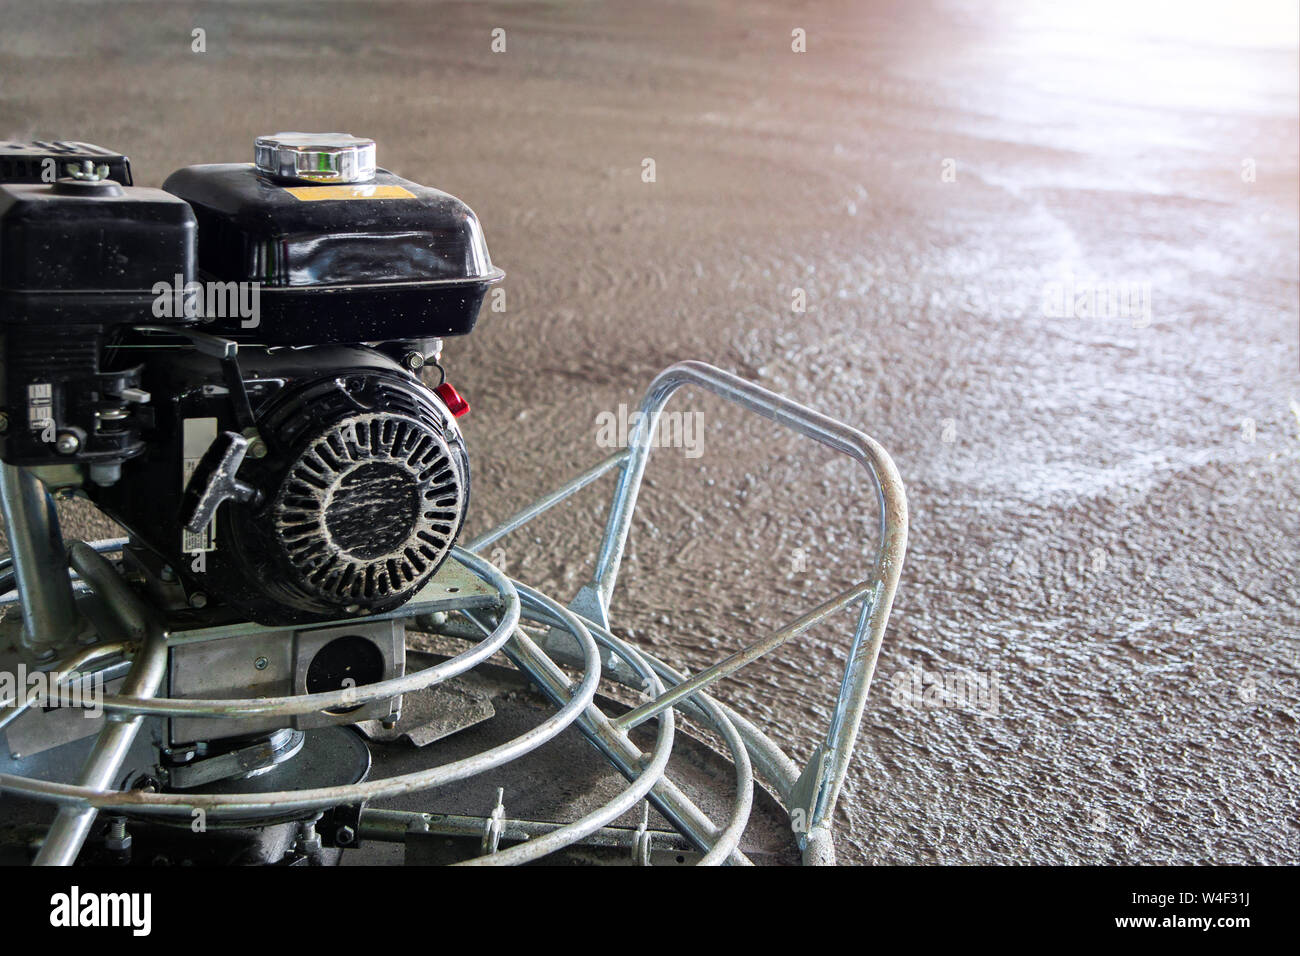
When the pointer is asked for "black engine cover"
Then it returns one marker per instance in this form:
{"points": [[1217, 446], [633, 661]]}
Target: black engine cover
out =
{"points": [[79, 262], [362, 473], [366, 492], [387, 259]]}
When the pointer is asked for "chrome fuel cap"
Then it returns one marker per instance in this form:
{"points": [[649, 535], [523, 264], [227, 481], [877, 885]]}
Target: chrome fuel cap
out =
{"points": [[316, 157]]}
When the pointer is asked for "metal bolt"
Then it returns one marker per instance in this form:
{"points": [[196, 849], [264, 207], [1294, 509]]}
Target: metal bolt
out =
{"points": [[4, 422], [261, 663], [86, 169], [257, 448], [67, 443], [117, 839], [413, 360], [431, 621], [344, 836], [308, 838], [198, 600]]}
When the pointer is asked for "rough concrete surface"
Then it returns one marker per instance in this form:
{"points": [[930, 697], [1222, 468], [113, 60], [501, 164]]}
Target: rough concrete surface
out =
{"points": [[1104, 506]]}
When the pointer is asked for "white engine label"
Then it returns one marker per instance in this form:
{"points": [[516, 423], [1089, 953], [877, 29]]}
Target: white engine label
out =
{"points": [[40, 405], [197, 435]]}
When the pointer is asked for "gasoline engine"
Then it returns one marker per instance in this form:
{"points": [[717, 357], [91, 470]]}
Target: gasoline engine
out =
{"points": [[247, 336], [243, 369]]}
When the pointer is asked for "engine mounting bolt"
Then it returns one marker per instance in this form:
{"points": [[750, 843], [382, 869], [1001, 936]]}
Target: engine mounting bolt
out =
{"points": [[117, 838], [198, 600], [67, 443], [257, 448], [344, 836], [308, 839], [413, 360], [261, 663]]}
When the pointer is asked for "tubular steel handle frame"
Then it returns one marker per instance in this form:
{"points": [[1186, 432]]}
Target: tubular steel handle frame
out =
{"points": [[824, 775]]}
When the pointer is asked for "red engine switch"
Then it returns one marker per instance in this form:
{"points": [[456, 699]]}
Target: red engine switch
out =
{"points": [[451, 398]]}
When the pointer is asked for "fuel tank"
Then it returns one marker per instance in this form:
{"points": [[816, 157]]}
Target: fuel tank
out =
{"points": [[342, 251]]}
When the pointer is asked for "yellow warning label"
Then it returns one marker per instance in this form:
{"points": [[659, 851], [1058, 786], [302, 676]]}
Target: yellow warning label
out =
{"points": [[355, 191]]}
